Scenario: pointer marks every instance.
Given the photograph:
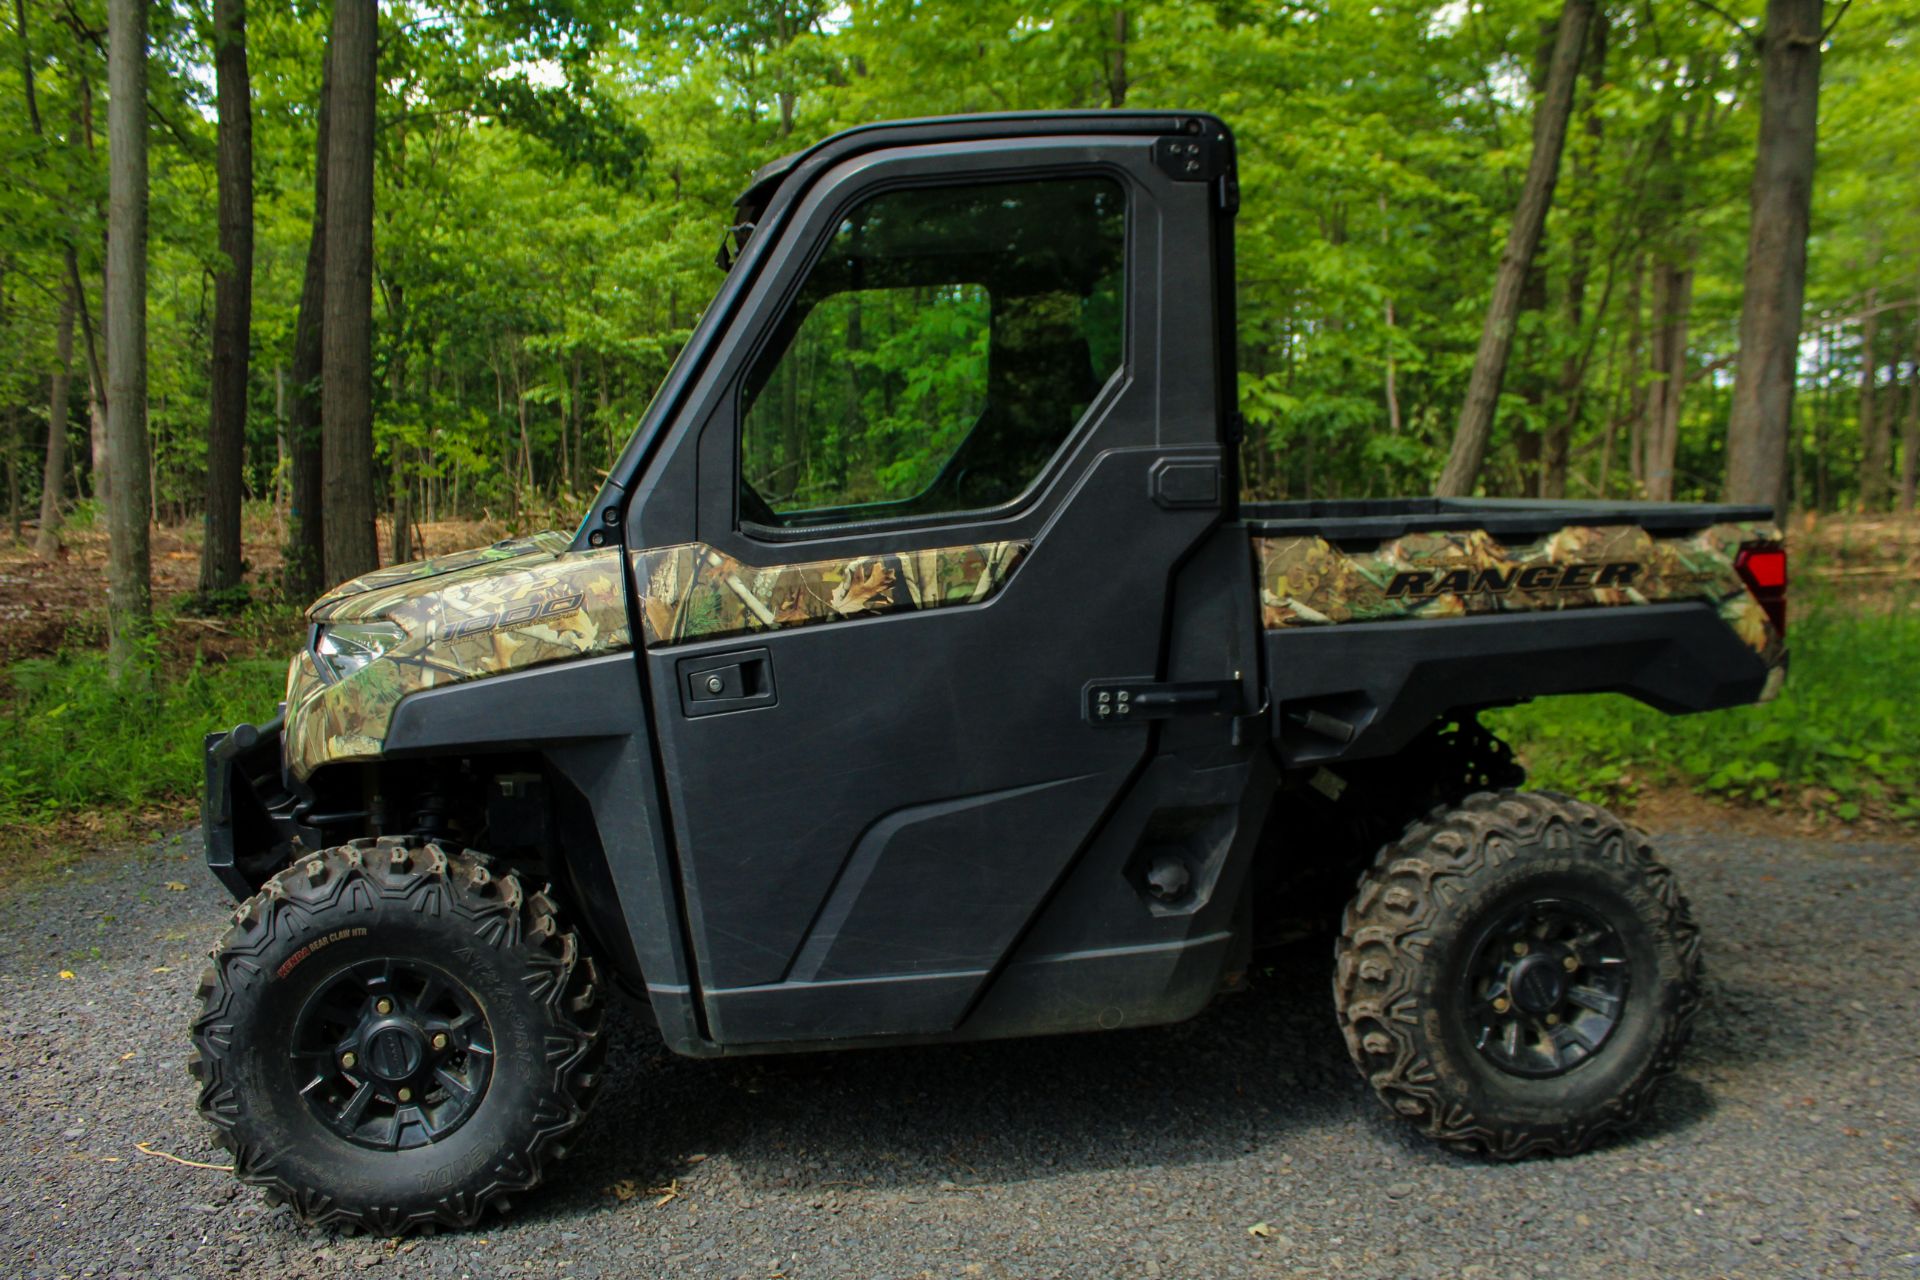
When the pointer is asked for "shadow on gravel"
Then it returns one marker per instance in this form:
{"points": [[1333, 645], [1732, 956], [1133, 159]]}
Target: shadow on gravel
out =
{"points": [[1244, 1078], [1237, 1079]]}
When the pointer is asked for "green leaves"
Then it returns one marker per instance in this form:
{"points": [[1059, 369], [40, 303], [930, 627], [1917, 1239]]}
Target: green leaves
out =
{"points": [[553, 175], [1840, 740]]}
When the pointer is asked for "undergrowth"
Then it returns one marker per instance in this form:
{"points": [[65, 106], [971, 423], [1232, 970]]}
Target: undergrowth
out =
{"points": [[78, 746], [1842, 741]]}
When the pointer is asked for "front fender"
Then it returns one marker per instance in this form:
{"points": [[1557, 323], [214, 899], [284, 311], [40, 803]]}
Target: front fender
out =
{"points": [[588, 720]]}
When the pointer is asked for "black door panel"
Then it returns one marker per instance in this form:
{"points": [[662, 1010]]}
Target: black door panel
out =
{"points": [[975, 706], [926, 889], [864, 847]]}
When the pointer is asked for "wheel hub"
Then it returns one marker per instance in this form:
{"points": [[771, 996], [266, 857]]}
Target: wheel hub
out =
{"points": [[395, 1050], [1545, 987], [392, 1054], [1536, 983]]}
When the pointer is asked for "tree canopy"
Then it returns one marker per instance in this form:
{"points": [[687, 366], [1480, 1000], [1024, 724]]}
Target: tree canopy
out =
{"points": [[551, 180]]}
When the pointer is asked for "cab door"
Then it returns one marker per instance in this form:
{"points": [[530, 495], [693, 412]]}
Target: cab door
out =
{"points": [[923, 511]]}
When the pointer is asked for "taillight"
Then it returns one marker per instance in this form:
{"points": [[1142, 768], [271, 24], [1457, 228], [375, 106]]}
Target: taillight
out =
{"points": [[1763, 567]]}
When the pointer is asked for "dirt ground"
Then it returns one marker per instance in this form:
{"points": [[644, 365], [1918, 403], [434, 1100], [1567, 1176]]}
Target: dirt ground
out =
{"points": [[1847, 548], [50, 605]]}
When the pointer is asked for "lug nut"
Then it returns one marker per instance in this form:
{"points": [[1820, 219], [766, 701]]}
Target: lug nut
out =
{"points": [[348, 1060], [1570, 963], [439, 1039], [1519, 948], [1501, 1004], [1553, 1019], [405, 1095], [383, 1006]]}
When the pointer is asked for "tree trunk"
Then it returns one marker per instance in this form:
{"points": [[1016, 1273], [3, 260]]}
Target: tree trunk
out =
{"points": [[53, 479], [280, 439], [1673, 303], [1822, 404], [346, 351], [96, 375], [1636, 377], [47, 542], [603, 414], [304, 574], [1612, 433], [1776, 275], [1876, 437], [1558, 450], [97, 392], [524, 487], [1496, 338], [97, 443], [400, 494], [14, 524], [578, 466], [1530, 384], [130, 505], [1874, 440], [220, 552], [95, 335], [1910, 431], [1393, 372], [1910, 439], [402, 497]]}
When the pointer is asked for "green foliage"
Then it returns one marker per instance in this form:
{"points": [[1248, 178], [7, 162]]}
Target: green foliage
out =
{"points": [[1842, 739], [77, 742], [874, 394], [552, 177]]}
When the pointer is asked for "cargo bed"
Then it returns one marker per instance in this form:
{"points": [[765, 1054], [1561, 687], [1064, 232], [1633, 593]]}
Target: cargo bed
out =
{"points": [[1379, 615]]}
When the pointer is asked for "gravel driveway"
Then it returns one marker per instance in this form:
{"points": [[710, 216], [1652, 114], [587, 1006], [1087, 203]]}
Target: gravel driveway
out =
{"points": [[1241, 1143]]}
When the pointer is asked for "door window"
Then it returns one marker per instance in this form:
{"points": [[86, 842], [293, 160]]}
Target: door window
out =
{"points": [[940, 352]]}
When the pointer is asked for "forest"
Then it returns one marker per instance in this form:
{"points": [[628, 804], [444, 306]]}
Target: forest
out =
{"points": [[549, 183], [320, 276]]}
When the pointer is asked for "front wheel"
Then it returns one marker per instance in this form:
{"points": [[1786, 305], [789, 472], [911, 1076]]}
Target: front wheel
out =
{"points": [[394, 1037], [1518, 974]]}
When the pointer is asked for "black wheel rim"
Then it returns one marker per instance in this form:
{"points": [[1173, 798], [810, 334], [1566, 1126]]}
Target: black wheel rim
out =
{"points": [[392, 1054], [1546, 987]]}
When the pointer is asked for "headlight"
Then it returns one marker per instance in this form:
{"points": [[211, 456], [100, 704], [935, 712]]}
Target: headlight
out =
{"points": [[345, 647]]}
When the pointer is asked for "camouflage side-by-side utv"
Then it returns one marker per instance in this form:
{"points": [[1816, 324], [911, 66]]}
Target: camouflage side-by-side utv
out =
{"points": [[919, 675]]}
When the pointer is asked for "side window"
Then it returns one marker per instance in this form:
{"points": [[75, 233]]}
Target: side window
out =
{"points": [[941, 351]]}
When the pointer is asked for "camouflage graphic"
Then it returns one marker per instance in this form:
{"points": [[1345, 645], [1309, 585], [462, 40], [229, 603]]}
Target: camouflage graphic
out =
{"points": [[692, 592], [544, 545], [1306, 581], [467, 617]]}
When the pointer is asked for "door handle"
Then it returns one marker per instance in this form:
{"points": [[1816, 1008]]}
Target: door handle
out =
{"points": [[733, 681], [1113, 702]]}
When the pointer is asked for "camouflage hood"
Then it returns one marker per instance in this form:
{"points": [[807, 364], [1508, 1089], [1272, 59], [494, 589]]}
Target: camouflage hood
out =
{"points": [[372, 594], [450, 619]]}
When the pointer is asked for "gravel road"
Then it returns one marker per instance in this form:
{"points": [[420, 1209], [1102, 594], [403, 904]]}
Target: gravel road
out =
{"points": [[1239, 1144]]}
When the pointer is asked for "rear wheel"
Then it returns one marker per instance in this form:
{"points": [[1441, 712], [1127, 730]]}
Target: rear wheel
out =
{"points": [[392, 1037], [1518, 974]]}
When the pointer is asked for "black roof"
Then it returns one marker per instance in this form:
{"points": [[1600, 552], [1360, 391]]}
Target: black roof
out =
{"points": [[971, 128]]}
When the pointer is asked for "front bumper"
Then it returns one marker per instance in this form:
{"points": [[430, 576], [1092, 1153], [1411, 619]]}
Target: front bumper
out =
{"points": [[248, 815]]}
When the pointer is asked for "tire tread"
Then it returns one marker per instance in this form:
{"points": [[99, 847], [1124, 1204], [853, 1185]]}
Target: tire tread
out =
{"points": [[422, 877], [1392, 920]]}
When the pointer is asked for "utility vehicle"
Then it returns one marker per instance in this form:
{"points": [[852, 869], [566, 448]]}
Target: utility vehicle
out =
{"points": [[920, 675]]}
